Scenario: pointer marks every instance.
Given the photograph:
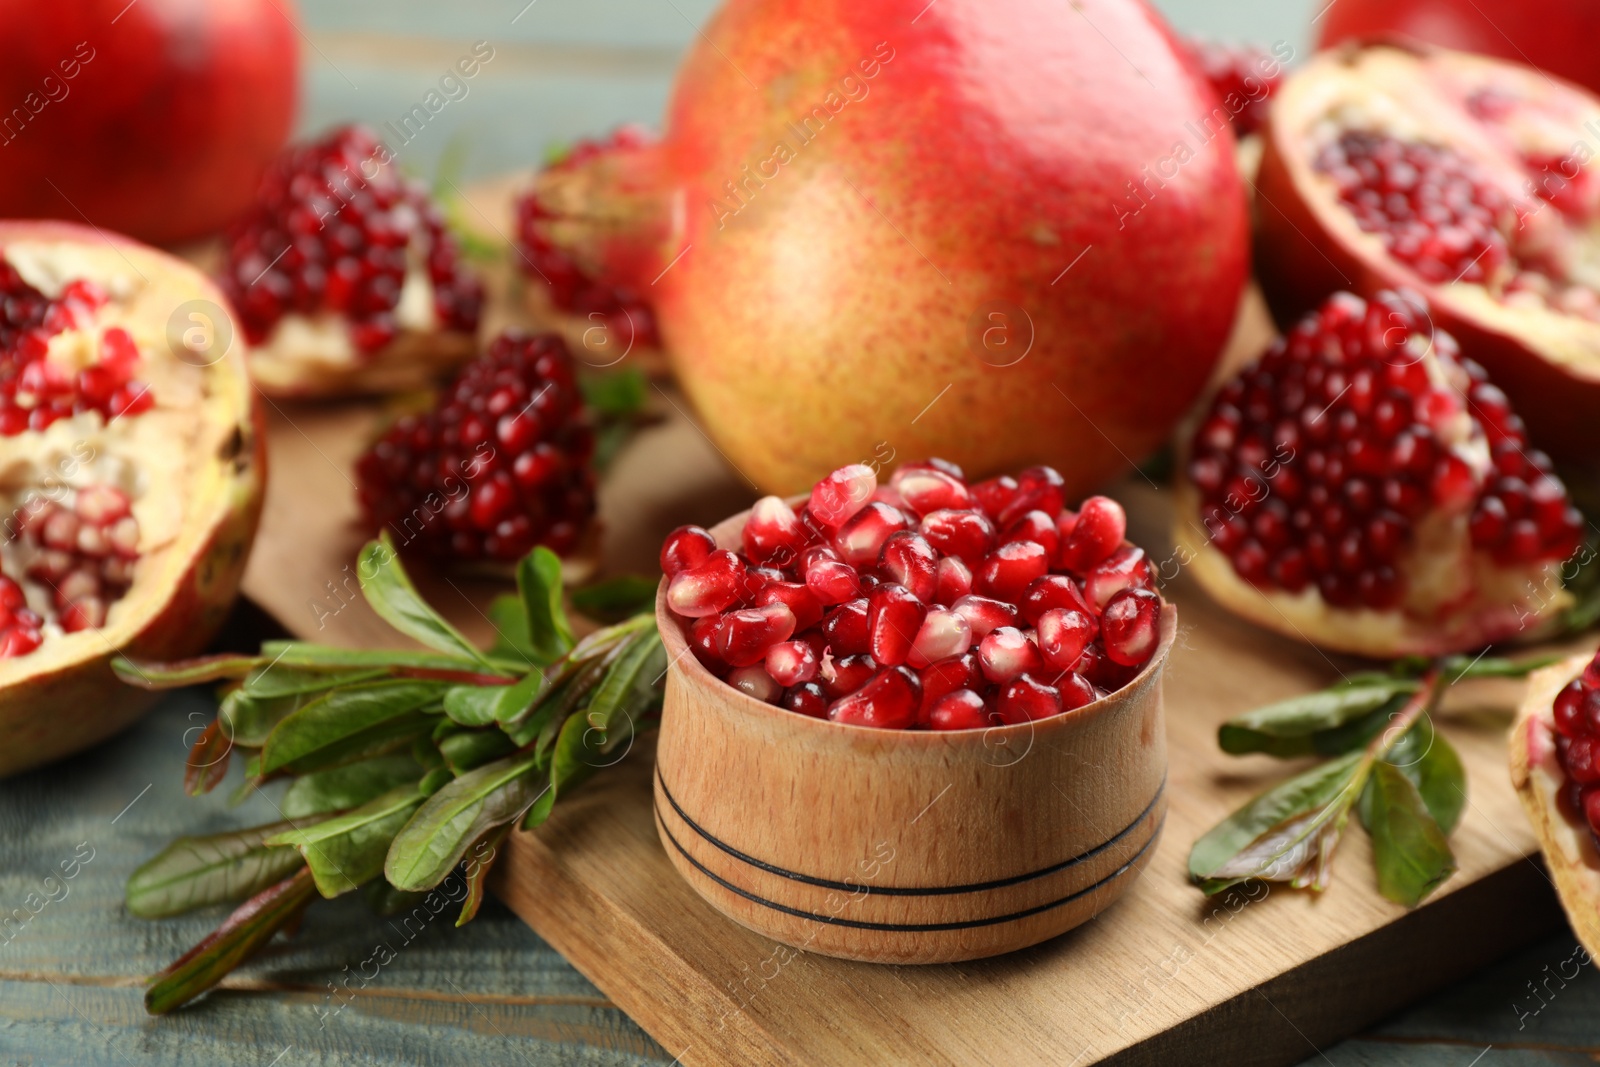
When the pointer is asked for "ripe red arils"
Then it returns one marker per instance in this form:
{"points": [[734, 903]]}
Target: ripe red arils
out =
{"points": [[995, 495], [791, 663], [744, 636], [1050, 591], [894, 617], [843, 676], [952, 580], [841, 494], [1008, 653], [959, 710], [808, 699], [860, 540], [1038, 489], [967, 535], [984, 615], [1005, 573], [499, 465], [1130, 626], [1126, 568], [807, 610], [943, 634], [1075, 692], [927, 489], [755, 682], [907, 559], [845, 628], [889, 701], [948, 675], [1063, 634], [1024, 699], [19, 627], [830, 579], [711, 587], [1099, 530], [773, 532], [1244, 78], [685, 547], [1034, 526]]}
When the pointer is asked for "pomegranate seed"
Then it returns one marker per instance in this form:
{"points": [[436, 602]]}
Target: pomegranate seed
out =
{"points": [[1075, 692], [703, 642], [926, 489], [1591, 674], [806, 608], [1580, 760], [831, 580], [755, 682], [907, 559], [943, 634], [1024, 699], [952, 581], [1130, 626], [1008, 653], [948, 675], [808, 699], [791, 663], [967, 535], [985, 615], [745, 636], [1035, 526], [846, 628], [1038, 489], [19, 641], [841, 677], [860, 540], [995, 495], [1591, 809], [1005, 573], [1570, 716], [101, 505], [1063, 634], [706, 589], [1126, 569], [889, 701], [772, 533], [1235, 72], [894, 618], [1050, 591], [839, 496], [961, 709], [1100, 529], [1105, 673]]}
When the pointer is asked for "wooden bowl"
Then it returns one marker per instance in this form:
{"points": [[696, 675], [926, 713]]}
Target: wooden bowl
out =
{"points": [[901, 846]]}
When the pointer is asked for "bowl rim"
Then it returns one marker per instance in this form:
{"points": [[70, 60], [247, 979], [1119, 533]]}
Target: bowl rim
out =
{"points": [[673, 636]]}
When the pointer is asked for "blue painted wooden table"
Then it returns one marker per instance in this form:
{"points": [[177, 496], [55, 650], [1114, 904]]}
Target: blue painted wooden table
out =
{"points": [[72, 961]]}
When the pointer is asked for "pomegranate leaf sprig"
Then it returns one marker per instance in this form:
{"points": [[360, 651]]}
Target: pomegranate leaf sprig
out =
{"points": [[1383, 762], [404, 766]]}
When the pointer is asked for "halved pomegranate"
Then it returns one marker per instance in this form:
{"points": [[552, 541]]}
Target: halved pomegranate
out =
{"points": [[130, 476], [1469, 179], [345, 276], [1555, 767], [1365, 488], [925, 603]]}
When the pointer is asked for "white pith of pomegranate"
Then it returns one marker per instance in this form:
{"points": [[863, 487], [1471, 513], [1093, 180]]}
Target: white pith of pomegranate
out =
{"points": [[1363, 487], [923, 603], [107, 441], [345, 274]]}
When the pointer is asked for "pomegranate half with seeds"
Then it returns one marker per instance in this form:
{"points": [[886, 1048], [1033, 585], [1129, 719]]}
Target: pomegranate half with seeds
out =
{"points": [[131, 471], [1468, 179], [922, 603], [1364, 487], [345, 275], [1555, 767]]}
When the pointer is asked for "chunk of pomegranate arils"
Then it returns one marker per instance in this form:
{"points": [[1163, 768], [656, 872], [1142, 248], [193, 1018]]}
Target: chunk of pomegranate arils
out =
{"points": [[806, 608], [499, 465], [744, 636], [685, 547], [1244, 77], [808, 699], [707, 589], [1008, 653], [860, 540], [959, 710], [1063, 634], [907, 559], [845, 628], [337, 232], [948, 675], [967, 535], [842, 676], [894, 617], [841, 494], [1099, 530], [943, 634], [1130, 626], [791, 663], [888, 701], [755, 682], [1347, 489], [773, 534], [985, 615], [1024, 699], [1006, 572]]}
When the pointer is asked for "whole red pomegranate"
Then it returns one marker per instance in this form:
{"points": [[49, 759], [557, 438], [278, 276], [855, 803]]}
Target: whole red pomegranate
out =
{"points": [[1562, 36], [998, 233], [155, 118]]}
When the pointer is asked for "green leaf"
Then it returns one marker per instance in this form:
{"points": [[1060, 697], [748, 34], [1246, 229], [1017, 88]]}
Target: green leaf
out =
{"points": [[348, 850], [436, 838], [481, 705], [240, 936], [147, 674], [208, 760], [539, 584], [1409, 849], [1457, 668], [471, 749], [478, 871], [1275, 809], [1431, 762], [615, 393], [341, 715], [250, 720], [349, 786], [635, 673], [325, 658], [388, 589], [510, 624], [436, 780], [616, 598], [1295, 726], [194, 872], [270, 681]]}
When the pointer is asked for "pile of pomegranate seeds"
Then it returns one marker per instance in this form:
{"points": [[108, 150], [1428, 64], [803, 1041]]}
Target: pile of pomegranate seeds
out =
{"points": [[572, 289], [924, 603], [1577, 715], [83, 553], [19, 627], [335, 229], [1317, 464], [1237, 73], [499, 465], [35, 391]]}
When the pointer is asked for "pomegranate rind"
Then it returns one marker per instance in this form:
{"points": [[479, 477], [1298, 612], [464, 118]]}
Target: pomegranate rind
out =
{"points": [[1536, 774], [1307, 245], [64, 697], [1306, 617]]}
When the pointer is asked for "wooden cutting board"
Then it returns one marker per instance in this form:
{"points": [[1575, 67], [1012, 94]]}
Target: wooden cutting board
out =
{"points": [[1165, 975]]}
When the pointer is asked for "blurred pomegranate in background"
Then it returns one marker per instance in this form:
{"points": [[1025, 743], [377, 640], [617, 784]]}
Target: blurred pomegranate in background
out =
{"points": [[1562, 36], [155, 118]]}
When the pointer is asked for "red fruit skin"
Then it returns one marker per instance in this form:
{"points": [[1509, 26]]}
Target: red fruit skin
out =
{"points": [[988, 146], [1561, 36], [170, 121]]}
